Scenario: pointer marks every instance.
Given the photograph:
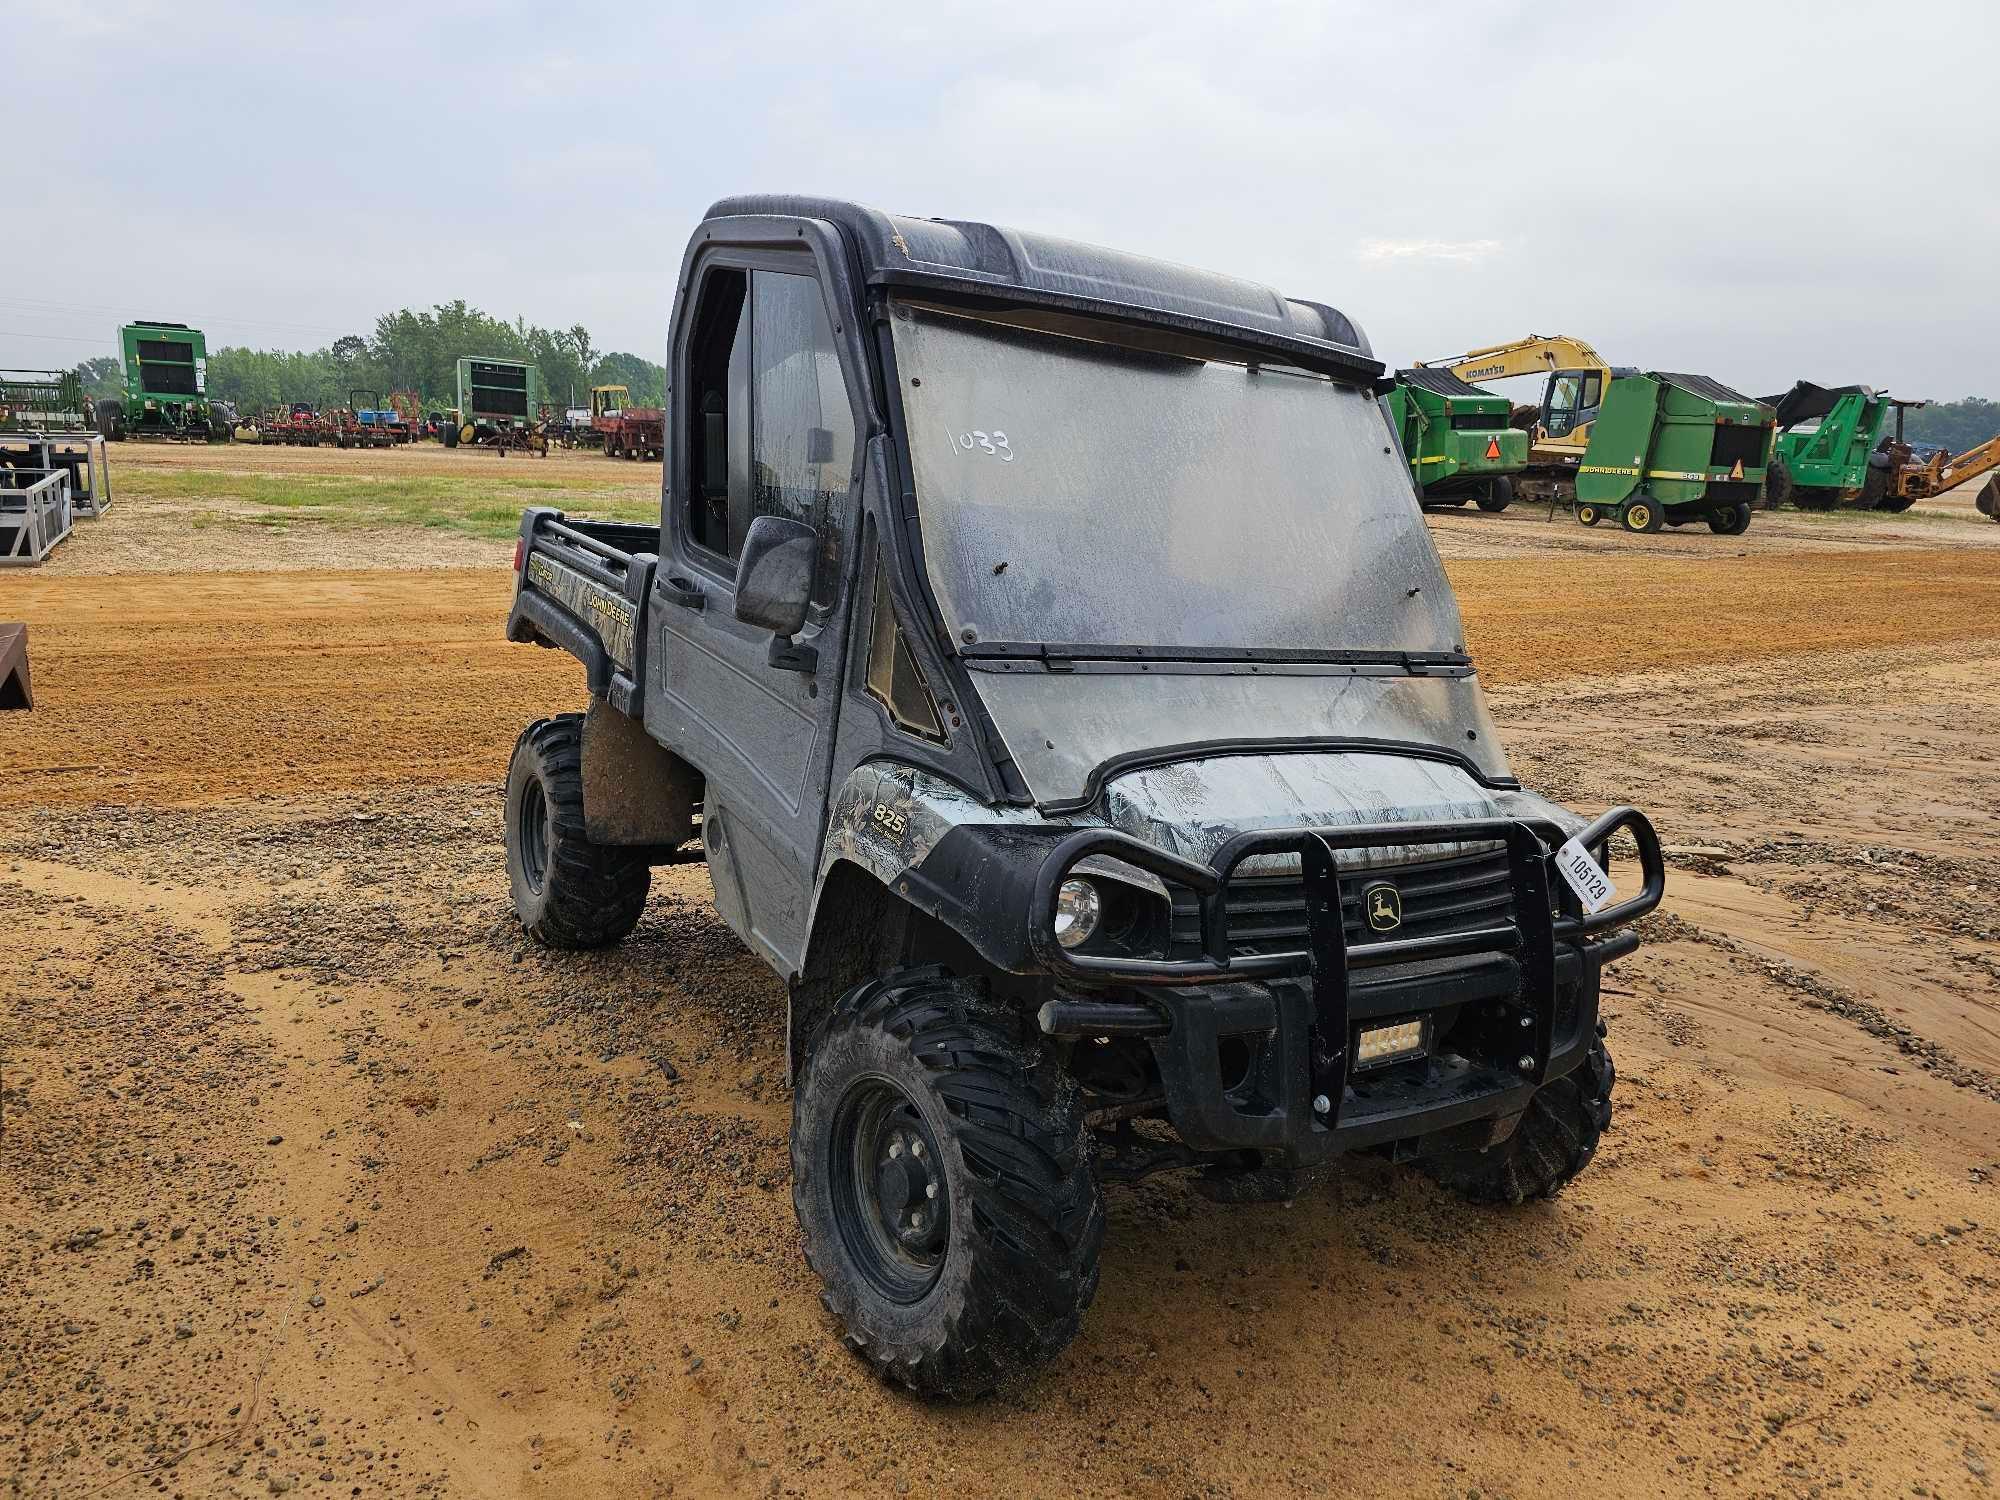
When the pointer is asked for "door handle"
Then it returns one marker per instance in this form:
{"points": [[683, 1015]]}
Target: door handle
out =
{"points": [[682, 592]]}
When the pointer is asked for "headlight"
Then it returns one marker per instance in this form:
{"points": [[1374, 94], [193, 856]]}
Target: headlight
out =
{"points": [[1077, 912]]}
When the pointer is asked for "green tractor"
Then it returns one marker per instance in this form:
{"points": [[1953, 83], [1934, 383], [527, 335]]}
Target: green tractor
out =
{"points": [[1839, 448], [1457, 439], [166, 387], [1667, 449]]}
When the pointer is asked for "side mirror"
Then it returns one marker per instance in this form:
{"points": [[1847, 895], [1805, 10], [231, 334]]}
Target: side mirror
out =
{"points": [[774, 574]]}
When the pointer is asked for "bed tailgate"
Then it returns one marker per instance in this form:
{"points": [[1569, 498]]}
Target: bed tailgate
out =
{"points": [[581, 586]]}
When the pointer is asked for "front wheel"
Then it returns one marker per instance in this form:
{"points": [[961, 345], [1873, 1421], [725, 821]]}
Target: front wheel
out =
{"points": [[1498, 495], [1643, 515], [941, 1174], [1554, 1141], [568, 891], [1589, 515], [1732, 520]]}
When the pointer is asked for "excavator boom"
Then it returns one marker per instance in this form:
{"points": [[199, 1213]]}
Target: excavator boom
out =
{"points": [[1574, 370], [1534, 355]]}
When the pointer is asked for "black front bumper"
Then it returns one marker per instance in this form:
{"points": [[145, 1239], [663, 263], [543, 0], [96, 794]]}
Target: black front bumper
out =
{"points": [[1257, 1052]]}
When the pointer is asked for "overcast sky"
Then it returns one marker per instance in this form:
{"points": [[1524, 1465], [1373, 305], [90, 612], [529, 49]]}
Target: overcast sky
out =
{"points": [[1755, 192]]}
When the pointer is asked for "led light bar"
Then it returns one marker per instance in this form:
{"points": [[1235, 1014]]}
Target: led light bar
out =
{"points": [[1381, 1044]]}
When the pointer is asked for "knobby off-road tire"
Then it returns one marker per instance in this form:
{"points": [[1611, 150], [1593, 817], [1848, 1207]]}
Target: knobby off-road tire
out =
{"points": [[941, 1173], [568, 892], [1555, 1140], [1777, 484]]}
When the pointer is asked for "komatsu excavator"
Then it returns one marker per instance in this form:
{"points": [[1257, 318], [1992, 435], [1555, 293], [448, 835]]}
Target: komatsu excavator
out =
{"points": [[1559, 428]]}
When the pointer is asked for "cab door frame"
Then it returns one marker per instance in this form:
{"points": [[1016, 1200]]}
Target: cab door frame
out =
{"points": [[762, 734]]}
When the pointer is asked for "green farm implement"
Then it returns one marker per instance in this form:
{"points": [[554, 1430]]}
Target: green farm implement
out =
{"points": [[1456, 439], [1837, 449], [497, 402], [1669, 449], [166, 387], [41, 401]]}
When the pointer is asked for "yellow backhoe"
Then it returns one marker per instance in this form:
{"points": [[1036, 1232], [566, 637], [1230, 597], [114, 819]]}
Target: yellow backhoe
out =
{"points": [[1559, 428], [1919, 481]]}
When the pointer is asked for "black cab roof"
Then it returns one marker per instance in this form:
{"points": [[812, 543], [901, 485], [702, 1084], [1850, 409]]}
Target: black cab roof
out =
{"points": [[968, 258]]}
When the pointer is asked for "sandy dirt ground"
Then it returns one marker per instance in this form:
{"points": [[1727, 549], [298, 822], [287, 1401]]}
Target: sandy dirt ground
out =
{"points": [[315, 1177]]}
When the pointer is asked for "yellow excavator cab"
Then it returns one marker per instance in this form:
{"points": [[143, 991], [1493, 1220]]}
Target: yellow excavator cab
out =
{"points": [[1577, 378]]}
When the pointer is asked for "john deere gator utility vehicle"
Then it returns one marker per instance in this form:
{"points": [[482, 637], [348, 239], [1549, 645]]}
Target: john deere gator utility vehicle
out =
{"points": [[1090, 828], [1457, 439], [166, 387], [1667, 449], [1836, 449]]}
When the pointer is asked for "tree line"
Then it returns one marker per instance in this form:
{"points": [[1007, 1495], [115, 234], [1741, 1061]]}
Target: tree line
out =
{"points": [[409, 351], [419, 351], [1953, 425]]}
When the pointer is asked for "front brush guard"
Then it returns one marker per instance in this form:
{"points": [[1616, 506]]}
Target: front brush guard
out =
{"points": [[1531, 937]]}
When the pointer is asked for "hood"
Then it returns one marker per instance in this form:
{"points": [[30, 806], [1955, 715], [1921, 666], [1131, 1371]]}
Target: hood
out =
{"points": [[1067, 731], [1192, 807]]}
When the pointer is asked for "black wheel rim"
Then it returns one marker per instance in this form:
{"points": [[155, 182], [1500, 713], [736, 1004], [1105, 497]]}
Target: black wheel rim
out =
{"points": [[534, 834], [889, 1193]]}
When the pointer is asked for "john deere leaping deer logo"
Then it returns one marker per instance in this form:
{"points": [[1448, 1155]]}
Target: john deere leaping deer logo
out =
{"points": [[1383, 904]]}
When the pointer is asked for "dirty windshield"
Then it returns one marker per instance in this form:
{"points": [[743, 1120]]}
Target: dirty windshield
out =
{"points": [[1093, 494]]}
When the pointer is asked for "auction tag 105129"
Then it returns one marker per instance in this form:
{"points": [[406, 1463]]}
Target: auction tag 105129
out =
{"points": [[1585, 876]]}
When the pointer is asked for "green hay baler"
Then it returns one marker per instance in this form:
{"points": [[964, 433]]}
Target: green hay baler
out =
{"points": [[1457, 439], [166, 386], [1669, 449]]}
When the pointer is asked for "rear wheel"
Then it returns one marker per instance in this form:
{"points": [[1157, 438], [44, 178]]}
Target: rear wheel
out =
{"points": [[1498, 495], [1733, 521], [568, 891], [1643, 515], [1555, 1139], [941, 1174], [1777, 483]]}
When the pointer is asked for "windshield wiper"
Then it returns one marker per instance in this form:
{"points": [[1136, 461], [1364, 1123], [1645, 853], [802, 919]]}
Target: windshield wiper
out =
{"points": [[1064, 656]]}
